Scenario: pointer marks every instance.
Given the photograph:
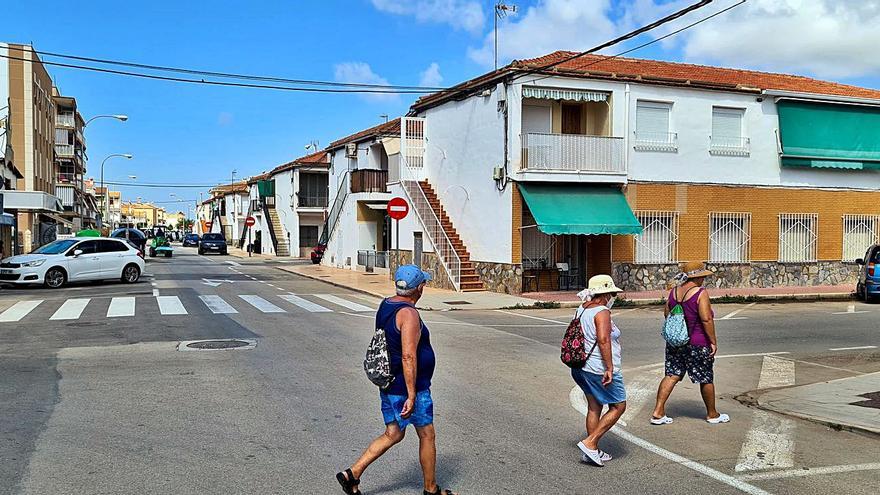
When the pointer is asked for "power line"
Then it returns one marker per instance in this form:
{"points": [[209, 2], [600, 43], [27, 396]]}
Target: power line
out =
{"points": [[228, 75], [221, 83], [137, 184]]}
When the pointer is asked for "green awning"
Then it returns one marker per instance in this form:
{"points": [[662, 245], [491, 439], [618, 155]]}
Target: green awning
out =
{"points": [[579, 209], [266, 188], [826, 135]]}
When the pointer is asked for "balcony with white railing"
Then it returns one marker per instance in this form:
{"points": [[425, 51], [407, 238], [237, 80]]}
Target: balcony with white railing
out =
{"points": [[729, 145], [65, 120], [64, 150], [655, 141], [576, 157]]}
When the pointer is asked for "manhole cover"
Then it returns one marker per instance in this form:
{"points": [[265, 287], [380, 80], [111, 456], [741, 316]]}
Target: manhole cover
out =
{"points": [[216, 344], [455, 303]]}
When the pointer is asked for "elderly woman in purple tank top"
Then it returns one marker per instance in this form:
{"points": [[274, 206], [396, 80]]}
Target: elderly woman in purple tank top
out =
{"points": [[697, 358]]}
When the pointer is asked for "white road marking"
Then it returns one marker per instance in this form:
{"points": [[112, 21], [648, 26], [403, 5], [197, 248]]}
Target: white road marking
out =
{"points": [[71, 309], [305, 304], [661, 364], [813, 471], [233, 263], [850, 310], [19, 310], [217, 305], [858, 348], [776, 372], [826, 366], [345, 304], [696, 466], [261, 304], [729, 316], [639, 392], [121, 306], [170, 305], [531, 317], [155, 292]]}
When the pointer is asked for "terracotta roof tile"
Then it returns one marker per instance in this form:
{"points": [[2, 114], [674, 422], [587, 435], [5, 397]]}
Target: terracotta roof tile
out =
{"points": [[316, 159], [390, 128], [223, 189]]}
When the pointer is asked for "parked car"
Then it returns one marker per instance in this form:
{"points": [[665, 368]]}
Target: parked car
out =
{"points": [[74, 260], [135, 236], [868, 286], [191, 240], [213, 243], [317, 253]]}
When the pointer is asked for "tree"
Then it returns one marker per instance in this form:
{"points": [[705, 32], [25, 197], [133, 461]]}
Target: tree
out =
{"points": [[188, 225]]}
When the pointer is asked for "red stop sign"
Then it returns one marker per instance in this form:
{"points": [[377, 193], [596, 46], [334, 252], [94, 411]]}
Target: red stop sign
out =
{"points": [[250, 221], [398, 208], [208, 225]]}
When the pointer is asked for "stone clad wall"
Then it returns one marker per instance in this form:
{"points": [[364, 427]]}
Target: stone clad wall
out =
{"points": [[634, 277], [500, 277]]}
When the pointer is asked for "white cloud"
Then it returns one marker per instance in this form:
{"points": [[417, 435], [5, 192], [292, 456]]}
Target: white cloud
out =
{"points": [[460, 14], [361, 72], [548, 26], [431, 76]]}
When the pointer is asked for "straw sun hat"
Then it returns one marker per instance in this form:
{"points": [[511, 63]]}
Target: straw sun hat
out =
{"points": [[602, 284], [694, 269]]}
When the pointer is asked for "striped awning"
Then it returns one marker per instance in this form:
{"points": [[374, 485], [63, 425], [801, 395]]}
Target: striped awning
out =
{"points": [[563, 94]]}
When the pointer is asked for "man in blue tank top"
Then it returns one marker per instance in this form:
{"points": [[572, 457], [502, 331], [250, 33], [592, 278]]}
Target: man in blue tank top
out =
{"points": [[408, 399]]}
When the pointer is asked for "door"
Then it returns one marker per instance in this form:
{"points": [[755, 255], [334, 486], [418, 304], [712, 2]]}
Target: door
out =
{"points": [[417, 249], [86, 266], [112, 255], [571, 119]]}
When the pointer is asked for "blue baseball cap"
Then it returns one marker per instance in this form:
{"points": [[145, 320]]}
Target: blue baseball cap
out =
{"points": [[408, 277]]}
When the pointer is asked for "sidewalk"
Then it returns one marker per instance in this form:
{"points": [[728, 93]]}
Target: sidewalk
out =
{"points": [[819, 292], [848, 403], [241, 253], [380, 285]]}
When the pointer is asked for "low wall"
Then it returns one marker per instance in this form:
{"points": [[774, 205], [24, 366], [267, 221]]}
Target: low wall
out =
{"points": [[497, 277], [762, 274]]}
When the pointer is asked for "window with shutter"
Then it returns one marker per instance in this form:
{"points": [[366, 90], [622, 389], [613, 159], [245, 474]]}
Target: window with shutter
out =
{"points": [[652, 127], [727, 132]]}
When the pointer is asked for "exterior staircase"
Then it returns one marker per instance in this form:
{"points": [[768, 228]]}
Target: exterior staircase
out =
{"points": [[282, 246], [469, 280]]}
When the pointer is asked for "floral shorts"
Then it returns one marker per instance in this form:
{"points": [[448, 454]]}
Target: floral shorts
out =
{"points": [[696, 361]]}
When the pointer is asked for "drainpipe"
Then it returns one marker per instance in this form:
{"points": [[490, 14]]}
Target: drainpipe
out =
{"points": [[502, 184], [626, 130]]}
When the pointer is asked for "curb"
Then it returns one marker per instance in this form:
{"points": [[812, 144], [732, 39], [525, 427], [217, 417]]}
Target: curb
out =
{"points": [[750, 400], [762, 298], [330, 282]]}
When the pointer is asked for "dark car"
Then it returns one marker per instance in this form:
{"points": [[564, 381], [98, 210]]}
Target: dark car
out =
{"points": [[868, 287], [191, 240], [137, 237], [213, 243]]}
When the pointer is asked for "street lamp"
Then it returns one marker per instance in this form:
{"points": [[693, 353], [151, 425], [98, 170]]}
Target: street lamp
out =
{"points": [[127, 156], [121, 118], [133, 177]]}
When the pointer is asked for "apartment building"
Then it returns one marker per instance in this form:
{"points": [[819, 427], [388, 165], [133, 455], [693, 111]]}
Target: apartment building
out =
{"points": [[137, 214], [358, 232], [27, 87], [114, 213], [229, 206], [70, 162], [536, 180], [9, 175]]}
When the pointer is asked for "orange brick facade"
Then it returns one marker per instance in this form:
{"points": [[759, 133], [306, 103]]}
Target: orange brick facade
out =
{"points": [[695, 202]]}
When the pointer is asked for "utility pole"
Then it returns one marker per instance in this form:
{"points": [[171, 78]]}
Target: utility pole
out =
{"points": [[501, 10]]}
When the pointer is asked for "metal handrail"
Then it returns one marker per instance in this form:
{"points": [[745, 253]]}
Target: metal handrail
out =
{"points": [[336, 209], [443, 247]]}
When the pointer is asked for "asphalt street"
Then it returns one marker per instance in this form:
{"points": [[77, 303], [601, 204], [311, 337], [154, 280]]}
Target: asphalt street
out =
{"points": [[95, 396]]}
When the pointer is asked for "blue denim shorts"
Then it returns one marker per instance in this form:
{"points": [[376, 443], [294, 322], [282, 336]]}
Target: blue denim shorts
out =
{"points": [[591, 384], [423, 410]]}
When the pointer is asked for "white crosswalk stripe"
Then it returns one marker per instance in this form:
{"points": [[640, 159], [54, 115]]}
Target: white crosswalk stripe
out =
{"points": [[170, 305], [121, 306], [261, 304], [305, 304], [344, 303], [71, 309], [19, 310], [217, 305]]}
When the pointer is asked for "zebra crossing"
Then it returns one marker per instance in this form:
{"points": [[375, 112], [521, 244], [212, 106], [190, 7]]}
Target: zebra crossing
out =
{"points": [[170, 305]]}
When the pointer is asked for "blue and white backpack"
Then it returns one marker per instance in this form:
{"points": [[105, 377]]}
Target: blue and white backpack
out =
{"points": [[675, 330]]}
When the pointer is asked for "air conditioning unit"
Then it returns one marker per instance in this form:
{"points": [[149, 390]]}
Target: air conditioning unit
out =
{"points": [[351, 150]]}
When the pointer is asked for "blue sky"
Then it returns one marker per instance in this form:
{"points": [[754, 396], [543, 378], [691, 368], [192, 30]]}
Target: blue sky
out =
{"points": [[196, 134]]}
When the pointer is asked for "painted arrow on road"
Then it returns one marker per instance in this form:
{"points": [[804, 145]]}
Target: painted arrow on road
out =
{"points": [[215, 283]]}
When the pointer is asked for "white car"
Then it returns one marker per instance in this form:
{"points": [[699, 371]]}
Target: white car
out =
{"points": [[74, 260]]}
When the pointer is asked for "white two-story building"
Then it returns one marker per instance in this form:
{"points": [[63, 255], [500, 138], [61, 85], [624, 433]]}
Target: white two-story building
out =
{"points": [[529, 179]]}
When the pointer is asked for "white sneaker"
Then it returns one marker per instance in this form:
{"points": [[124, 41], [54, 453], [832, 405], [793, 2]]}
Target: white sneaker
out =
{"points": [[593, 457], [665, 420], [722, 418]]}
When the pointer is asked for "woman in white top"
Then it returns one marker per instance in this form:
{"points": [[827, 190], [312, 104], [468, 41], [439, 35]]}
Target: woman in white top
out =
{"points": [[600, 378]]}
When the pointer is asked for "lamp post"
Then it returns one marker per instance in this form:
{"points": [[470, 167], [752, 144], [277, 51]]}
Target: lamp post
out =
{"points": [[121, 118], [127, 156]]}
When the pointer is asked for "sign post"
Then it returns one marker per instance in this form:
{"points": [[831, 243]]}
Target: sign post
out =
{"points": [[398, 209], [249, 222]]}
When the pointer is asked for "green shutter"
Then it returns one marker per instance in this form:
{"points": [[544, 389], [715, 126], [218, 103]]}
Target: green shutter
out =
{"points": [[824, 135], [266, 188]]}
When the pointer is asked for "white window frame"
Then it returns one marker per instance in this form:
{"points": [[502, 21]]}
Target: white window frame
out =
{"points": [[659, 250], [728, 224], [858, 229], [798, 246], [729, 145], [655, 140]]}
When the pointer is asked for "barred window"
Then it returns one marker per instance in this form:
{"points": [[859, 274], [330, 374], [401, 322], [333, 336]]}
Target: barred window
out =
{"points": [[859, 232], [798, 237], [658, 242], [730, 236]]}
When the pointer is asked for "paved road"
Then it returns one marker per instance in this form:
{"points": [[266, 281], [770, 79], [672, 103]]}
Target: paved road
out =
{"points": [[107, 404]]}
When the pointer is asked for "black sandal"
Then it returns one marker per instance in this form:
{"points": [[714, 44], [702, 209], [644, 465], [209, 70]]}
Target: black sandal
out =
{"points": [[439, 491], [348, 482]]}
